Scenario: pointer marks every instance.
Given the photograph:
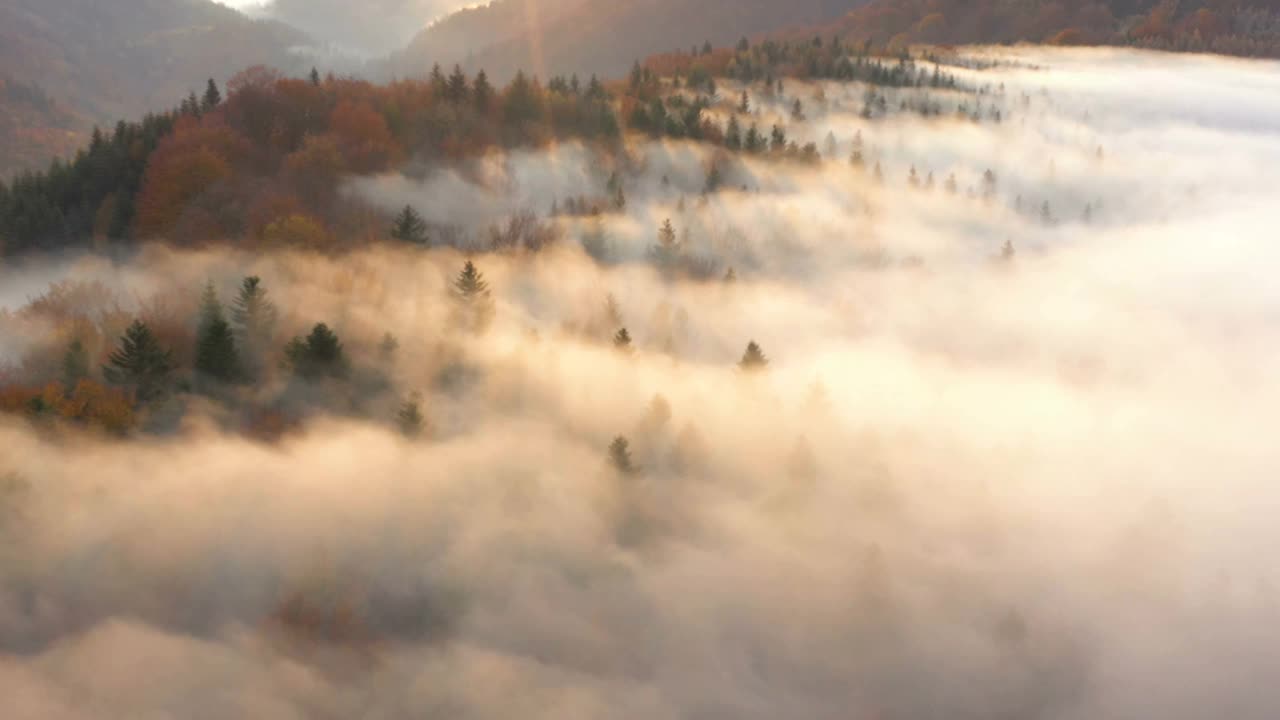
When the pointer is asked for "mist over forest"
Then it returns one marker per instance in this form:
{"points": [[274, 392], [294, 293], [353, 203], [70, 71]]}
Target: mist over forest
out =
{"points": [[957, 400]]}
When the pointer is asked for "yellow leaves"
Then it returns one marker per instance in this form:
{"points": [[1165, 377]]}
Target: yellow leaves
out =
{"points": [[91, 404], [297, 230]]}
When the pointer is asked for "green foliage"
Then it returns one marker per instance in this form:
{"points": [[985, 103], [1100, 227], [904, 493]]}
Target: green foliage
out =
{"points": [[318, 356], [253, 316], [140, 363], [212, 97], [216, 355], [75, 365], [472, 300], [409, 227]]}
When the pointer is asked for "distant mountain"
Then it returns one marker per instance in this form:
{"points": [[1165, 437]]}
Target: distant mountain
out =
{"points": [[1248, 28], [596, 36], [70, 64]]}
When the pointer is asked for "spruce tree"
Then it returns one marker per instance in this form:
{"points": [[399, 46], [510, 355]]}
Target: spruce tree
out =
{"points": [[456, 88], [622, 342], [409, 418], [482, 92], [216, 355], [753, 360], [473, 299], [212, 96], [409, 227], [75, 365], [744, 105], [140, 363], [319, 355], [314, 77], [620, 456], [667, 251], [254, 318], [733, 134]]}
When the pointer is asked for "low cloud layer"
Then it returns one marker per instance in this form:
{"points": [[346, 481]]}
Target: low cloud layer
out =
{"points": [[967, 486]]}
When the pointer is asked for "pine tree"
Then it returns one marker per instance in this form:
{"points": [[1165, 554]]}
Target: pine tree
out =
{"points": [[456, 89], [212, 96], [216, 355], [667, 250], [75, 365], [753, 360], [140, 363], [314, 77], [754, 142], [409, 227], [254, 318], [622, 342], [319, 355], [620, 456], [797, 111], [473, 299], [733, 134], [409, 417], [778, 139], [714, 179], [482, 92], [744, 105]]}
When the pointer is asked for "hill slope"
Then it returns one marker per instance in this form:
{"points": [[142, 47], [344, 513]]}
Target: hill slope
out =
{"points": [[1230, 27], [99, 61], [596, 36]]}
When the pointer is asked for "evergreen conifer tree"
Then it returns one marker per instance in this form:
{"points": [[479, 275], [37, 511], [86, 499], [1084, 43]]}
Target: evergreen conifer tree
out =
{"points": [[212, 96], [753, 360], [253, 316], [622, 342], [473, 299], [216, 355], [140, 363], [75, 365], [482, 92], [409, 417], [319, 355], [620, 456], [409, 227]]}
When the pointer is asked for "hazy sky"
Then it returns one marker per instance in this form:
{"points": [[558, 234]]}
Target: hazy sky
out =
{"points": [[374, 27]]}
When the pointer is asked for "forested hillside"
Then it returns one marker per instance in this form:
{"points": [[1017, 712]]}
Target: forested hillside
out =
{"points": [[98, 62], [603, 36], [267, 165], [1248, 28]]}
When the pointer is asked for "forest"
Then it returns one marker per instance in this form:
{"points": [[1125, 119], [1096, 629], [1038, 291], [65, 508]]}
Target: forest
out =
{"points": [[796, 378]]}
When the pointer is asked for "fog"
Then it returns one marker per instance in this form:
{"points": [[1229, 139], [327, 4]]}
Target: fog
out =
{"points": [[968, 485]]}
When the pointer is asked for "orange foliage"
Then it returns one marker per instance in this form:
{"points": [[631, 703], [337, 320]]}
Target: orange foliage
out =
{"points": [[90, 404], [363, 136], [184, 166]]}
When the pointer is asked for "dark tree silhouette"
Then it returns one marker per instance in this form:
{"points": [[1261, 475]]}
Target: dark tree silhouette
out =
{"points": [[753, 360], [140, 363], [409, 227], [319, 355], [473, 301], [620, 456]]}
